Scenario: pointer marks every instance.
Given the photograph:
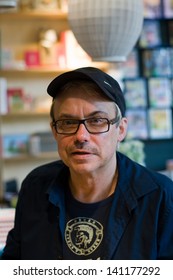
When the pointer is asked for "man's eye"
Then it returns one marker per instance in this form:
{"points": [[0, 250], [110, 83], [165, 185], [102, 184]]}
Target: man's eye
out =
{"points": [[97, 121]]}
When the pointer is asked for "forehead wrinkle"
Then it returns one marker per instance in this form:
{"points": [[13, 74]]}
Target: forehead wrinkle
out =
{"points": [[92, 114]]}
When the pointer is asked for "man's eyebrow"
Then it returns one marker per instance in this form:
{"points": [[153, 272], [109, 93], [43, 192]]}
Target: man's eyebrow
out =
{"points": [[98, 113], [72, 116]]}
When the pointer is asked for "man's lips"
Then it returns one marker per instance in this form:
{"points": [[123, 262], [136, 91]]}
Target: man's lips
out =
{"points": [[81, 153]]}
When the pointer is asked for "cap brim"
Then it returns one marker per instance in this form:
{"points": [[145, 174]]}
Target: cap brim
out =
{"points": [[61, 80]]}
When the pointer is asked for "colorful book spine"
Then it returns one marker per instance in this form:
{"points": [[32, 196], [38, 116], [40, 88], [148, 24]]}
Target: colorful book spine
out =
{"points": [[3, 96]]}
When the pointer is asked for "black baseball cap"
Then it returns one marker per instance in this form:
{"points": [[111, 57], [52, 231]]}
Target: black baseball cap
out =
{"points": [[105, 82]]}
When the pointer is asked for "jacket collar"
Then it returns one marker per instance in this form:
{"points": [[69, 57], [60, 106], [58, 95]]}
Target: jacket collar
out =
{"points": [[133, 183]]}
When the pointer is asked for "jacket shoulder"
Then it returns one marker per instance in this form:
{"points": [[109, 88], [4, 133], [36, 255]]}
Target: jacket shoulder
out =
{"points": [[46, 169], [43, 175], [141, 178]]}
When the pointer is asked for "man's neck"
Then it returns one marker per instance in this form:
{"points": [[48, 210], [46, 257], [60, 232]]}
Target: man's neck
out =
{"points": [[89, 188]]}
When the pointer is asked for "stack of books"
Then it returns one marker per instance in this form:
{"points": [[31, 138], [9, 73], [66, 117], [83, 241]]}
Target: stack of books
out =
{"points": [[6, 224]]}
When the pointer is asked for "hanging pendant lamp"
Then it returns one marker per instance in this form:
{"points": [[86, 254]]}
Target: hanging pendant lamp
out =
{"points": [[106, 29]]}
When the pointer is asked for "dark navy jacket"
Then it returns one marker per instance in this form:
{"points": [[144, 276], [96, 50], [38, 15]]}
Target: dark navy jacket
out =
{"points": [[140, 225]]}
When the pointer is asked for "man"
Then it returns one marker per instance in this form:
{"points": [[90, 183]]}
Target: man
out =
{"points": [[96, 203]]}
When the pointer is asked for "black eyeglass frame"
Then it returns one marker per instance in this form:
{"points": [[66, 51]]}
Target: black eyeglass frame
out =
{"points": [[109, 122]]}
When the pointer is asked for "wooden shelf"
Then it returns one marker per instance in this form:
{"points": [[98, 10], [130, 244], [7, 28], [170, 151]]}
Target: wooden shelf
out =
{"points": [[45, 71], [10, 116], [53, 15], [41, 156], [32, 72]]}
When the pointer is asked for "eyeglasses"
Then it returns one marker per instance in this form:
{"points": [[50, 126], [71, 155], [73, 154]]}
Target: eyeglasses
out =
{"points": [[92, 125]]}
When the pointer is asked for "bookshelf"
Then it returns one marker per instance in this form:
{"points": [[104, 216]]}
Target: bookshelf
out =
{"points": [[15, 40], [34, 81], [19, 30], [151, 86]]}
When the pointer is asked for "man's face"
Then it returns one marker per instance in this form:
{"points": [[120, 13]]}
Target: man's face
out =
{"points": [[84, 152]]}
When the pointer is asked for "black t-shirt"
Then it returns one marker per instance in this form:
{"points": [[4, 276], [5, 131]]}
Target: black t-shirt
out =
{"points": [[85, 228]]}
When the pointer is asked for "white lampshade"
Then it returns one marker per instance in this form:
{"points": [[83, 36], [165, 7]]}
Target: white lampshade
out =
{"points": [[106, 29]]}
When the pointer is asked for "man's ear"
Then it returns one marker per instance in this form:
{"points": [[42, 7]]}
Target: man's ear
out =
{"points": [[53, 130], [122, 129]]}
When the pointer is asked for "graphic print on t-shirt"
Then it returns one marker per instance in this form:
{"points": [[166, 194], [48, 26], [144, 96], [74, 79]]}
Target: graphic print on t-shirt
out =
{"points": [[83, 235]]}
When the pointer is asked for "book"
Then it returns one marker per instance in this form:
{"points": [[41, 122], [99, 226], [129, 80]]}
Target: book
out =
{"points": [[3, 96], [32, 58], [148, 64], [137, 123], [7, 216], [130, 67], [168, 8], [42, 142], [171, 59], [150, 35], [160, 123], [161, 59], [14, 145], [135, 92], [170, 30], [152, 9], [6, 58], [15, 99], [160, 92], [172, 91], [157, 62]]}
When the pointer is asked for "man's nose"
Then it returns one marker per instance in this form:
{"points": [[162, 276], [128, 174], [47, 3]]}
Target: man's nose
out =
{"points": [[82, 133]]}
